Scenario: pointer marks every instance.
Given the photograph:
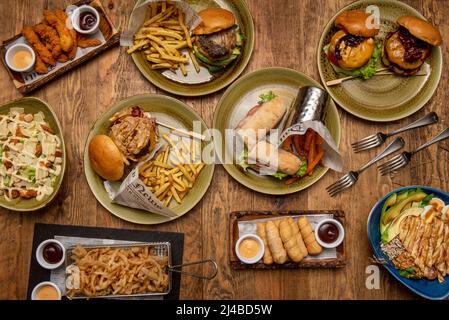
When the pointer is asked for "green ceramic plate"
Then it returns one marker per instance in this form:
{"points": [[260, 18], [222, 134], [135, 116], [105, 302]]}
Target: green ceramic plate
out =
{"points": [[34, 105], [172, 112], [381, 98], [236, 102], [198, 84]]}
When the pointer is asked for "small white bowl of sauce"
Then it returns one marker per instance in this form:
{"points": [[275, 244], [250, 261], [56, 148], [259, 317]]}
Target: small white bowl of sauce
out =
{"points": [[250, 248], [329, 233], [20, 57], [85, 19], [50, 254], [46, 291]]}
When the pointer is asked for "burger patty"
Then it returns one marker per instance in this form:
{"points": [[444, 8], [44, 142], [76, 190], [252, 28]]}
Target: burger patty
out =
{"points": [[350, 52], [218, 45], [404, 51], [132, 134], [415, 48]]}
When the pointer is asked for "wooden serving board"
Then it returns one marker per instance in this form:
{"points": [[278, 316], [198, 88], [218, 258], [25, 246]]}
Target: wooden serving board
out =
{"points": [[237, 216], [110, 33]]}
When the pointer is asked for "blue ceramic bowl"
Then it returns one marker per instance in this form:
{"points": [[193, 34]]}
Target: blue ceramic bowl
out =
{"points": [[425, 288]]}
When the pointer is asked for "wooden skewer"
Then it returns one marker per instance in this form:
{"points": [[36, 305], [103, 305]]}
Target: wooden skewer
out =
{"points": [[182, 132], [380, 72], [339, 81]]}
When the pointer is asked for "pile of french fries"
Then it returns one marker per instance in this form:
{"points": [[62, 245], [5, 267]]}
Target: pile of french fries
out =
{"points": [[309, 146], [163, 37], [173, 172]]}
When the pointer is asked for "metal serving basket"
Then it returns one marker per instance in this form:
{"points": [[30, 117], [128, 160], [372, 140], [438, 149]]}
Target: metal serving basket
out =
{"points": [[162, 249]]}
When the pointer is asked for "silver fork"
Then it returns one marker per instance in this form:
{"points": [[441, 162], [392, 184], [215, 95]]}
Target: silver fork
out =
{"points": [[403, 159], [352, 176], [377, 139]]}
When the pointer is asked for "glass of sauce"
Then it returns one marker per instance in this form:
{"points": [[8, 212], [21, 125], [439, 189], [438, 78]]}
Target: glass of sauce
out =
{"points": [[249, 248], [20, 57], [329, 233], [85, 19], [46, 291], [50, 254]]}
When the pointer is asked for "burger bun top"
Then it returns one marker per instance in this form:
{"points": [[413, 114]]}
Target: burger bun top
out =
{"points": [[355, 23], [421, 29], [214, 20], [105, 158]]}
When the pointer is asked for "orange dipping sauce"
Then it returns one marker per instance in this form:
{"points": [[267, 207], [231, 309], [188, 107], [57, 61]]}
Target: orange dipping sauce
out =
{"points": [[47, 293], [22, 59], [249, 248]]}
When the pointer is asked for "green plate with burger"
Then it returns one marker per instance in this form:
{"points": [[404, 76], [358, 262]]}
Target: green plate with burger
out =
{"points": [[234, 107], [166, 110], [221, 60], [397, 62]]}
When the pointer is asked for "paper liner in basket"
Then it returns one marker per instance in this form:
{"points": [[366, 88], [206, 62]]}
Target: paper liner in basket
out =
{"points": [[137, 18], [132, 192]]}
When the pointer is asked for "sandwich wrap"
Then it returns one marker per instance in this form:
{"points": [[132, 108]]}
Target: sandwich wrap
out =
{"points": [[137, 18], [308, 112], [132, 192]]}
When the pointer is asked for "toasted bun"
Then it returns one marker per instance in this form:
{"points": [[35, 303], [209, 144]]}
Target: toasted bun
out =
{"points": [[214, 20], [354, 22], [421, 29], [105, 158]]}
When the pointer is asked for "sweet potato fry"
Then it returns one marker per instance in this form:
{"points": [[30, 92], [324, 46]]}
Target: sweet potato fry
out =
{"points": [[287, 144], [298, 141], [312, 151], [308, 139], [311, 165], [291, 181]]}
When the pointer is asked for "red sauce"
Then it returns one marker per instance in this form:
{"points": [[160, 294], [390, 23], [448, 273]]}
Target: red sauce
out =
{"points": [[328, 232], [87, 20], [52, 253]]}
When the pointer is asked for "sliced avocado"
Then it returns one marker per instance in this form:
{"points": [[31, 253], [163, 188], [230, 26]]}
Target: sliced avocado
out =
{"points": [[416, 204], [395, 210], [387, 204], [407, 206], [404, 194], [393, 228]]}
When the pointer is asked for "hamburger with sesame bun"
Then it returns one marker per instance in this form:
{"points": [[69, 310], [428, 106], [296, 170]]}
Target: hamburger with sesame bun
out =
{"points": [[217, 42], [405, 50], [352, 50]]}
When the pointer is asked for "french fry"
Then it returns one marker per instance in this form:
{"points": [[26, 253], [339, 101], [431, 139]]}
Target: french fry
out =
{"points": [[298, 142], [184, 28], [194, 61], [164, 33]]}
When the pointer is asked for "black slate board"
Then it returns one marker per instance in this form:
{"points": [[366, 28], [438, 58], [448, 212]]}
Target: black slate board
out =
{"points": [[49, 231]]}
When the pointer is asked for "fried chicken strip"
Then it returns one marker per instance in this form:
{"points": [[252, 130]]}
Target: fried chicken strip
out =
{"points": [[63, 17], [63, 31], [38, 46], [85, 42], [50, 36], [39, 65]]}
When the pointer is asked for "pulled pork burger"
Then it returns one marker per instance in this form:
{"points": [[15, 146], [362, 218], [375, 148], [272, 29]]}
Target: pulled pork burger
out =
{"points": [[353, 50], [217, 42], [405, 50], [134, 133]]}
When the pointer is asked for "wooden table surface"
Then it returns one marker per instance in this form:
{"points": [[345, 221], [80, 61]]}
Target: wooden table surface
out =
{"points": [[287, 33]]}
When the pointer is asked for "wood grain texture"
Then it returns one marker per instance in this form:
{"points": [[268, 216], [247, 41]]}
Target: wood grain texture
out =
{"points": [[287, 33]]}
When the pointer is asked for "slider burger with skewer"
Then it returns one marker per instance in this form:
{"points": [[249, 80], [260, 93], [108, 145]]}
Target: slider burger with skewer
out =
{"points": [[405, 50], [353, 50]]}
